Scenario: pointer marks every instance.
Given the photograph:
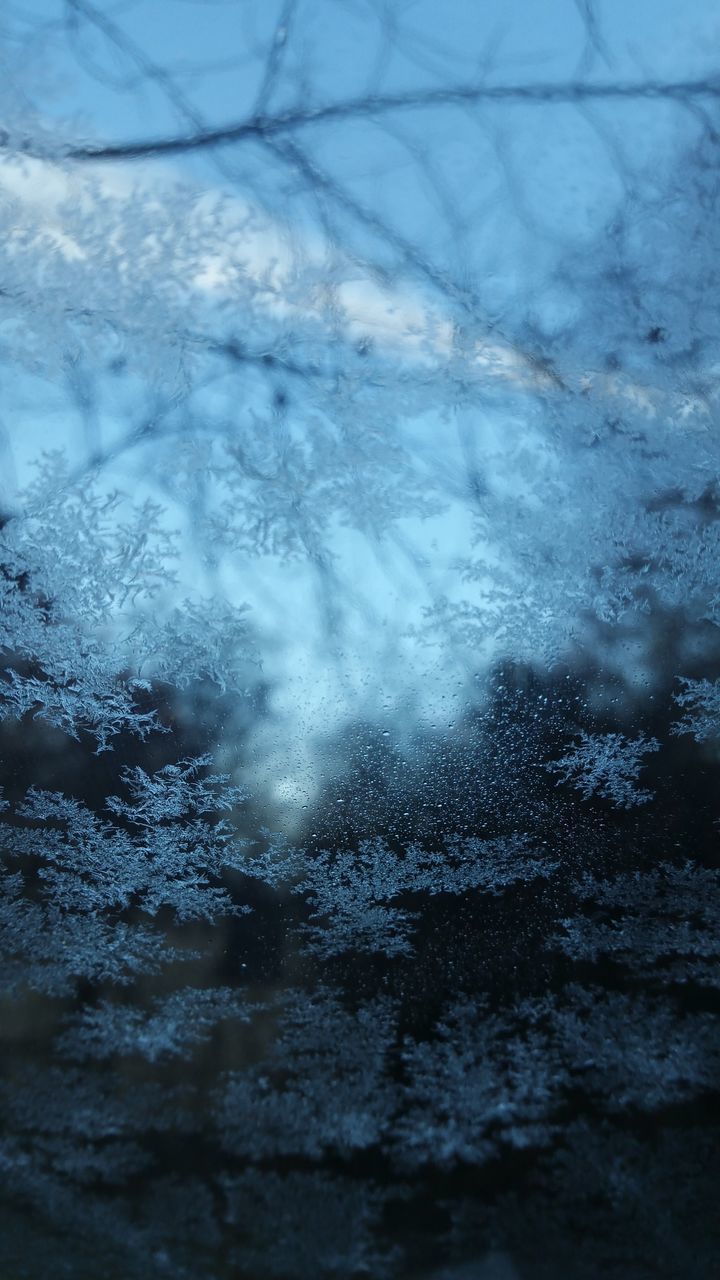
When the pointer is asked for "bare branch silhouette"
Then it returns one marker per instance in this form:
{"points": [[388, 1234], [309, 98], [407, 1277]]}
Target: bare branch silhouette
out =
{"points": [[261, 126]]}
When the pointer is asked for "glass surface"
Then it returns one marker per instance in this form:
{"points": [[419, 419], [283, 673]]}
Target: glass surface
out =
{"points": [[360, 627]]}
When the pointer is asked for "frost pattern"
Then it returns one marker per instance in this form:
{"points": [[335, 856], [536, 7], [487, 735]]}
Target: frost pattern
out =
{"points": [[607, 765], [485, 1081], [83, 573], [90, 870], [303, 365], [351, 893], [169, 1029], [700, 700], [662, 922], [322, 1085]]}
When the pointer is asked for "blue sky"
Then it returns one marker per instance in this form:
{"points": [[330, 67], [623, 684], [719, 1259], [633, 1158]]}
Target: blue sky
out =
{"points": [[494, 200]]}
